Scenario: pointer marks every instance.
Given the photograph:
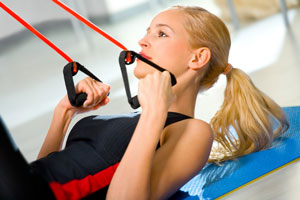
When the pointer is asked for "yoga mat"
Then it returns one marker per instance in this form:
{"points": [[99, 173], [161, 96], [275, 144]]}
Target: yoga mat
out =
{"points": [[215, 181]]}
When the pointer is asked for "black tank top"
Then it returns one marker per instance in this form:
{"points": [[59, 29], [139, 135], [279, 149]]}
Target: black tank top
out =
{"points": [[94, 148]]}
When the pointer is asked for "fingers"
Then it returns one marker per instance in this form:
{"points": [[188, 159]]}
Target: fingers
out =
{"points": [[95, 90], [159, 77], [102, 103], [155, 90], [166, 76]]}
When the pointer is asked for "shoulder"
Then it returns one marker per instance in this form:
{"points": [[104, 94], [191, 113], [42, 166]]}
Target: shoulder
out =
{"points": [[198, 129], [190, 129], [196, 141], [182, 156], [193, 134]]}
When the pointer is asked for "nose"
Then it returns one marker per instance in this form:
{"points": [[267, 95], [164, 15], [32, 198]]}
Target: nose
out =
{"points": [[144, 43]]}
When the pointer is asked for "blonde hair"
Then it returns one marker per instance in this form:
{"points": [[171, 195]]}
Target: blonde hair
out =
{"points": [[249, 111]]}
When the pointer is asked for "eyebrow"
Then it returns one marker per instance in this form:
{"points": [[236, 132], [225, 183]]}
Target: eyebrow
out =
{"points": [[161, 25]]}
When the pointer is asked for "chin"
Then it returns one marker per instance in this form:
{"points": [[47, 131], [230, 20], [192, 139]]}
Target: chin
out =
{"points": [[137, 73], [140, 71]]}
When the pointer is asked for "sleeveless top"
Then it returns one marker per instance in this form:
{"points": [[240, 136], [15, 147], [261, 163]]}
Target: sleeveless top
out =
{"points": [[94, 148]]}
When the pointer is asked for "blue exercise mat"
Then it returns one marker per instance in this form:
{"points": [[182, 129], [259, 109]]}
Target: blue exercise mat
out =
{"points": [[214, 181]]}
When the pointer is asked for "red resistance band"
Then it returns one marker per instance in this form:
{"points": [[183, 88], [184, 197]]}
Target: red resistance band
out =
{"points": [[34, 31], [92, 26], [75, 99], [89, 24]]}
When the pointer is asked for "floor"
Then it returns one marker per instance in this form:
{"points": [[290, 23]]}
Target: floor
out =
{"points": [[32, 82]]}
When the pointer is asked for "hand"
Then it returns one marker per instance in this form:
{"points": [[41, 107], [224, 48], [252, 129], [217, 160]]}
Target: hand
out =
{"points": [[155, 91], [96, 96]]}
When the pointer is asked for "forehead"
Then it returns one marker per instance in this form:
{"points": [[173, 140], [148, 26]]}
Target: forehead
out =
{"points": [[172, 17]]}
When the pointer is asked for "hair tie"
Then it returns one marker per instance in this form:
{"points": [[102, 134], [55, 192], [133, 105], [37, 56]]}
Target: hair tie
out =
{"points": [[227, 69]]}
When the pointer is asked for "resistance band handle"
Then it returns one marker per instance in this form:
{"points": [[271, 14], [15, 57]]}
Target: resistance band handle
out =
{"points": [[69, 71], [134, 103], [127, 58]]}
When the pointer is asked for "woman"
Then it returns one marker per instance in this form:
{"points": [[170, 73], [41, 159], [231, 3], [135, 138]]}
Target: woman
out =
{"points": [[150, 155]]}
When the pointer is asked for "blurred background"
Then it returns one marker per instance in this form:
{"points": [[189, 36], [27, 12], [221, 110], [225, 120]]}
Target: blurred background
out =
{"points": [[265, 43]]}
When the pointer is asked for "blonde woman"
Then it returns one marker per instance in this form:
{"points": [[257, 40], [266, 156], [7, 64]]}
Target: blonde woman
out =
{"points": [[151, 154]]}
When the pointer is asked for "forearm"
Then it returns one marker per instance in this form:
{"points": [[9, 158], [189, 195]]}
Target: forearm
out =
{"points": [[132, 177], [56, 133]]}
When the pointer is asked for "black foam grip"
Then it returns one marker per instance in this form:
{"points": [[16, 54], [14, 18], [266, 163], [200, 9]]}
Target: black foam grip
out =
{"points": [[80, 99], [75, 99], [68, 76], [134, 102]]}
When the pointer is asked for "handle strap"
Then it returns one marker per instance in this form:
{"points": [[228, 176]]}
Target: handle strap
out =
{"points": [[127, 58], [69, 71]]}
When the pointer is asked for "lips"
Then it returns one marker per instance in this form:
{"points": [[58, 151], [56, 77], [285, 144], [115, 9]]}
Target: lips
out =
{"points": [[145, 56]]}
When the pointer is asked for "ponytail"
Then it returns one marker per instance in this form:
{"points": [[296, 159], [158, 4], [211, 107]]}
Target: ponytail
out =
{"points": [[251, 114], [247, 110]]}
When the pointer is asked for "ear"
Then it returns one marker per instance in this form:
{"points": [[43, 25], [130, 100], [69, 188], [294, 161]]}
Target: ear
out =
{"points": [[200, 57]]}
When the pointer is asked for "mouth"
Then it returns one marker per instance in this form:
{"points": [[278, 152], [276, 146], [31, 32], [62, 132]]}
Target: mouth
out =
{"points": [[145, 56]]}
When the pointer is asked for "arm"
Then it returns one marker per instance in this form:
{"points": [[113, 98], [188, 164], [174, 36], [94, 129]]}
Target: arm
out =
{"points": [[145, 173], [56, 133], [64, 112], [186, 155], [162, 173], [132, 177]]}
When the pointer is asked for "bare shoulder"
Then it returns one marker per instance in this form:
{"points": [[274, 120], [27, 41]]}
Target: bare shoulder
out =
{"points": [[198, 129], [189, 129], [183, 155], [191, 134], [199, 124]]}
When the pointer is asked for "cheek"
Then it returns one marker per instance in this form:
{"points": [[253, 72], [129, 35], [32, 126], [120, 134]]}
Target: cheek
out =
{"points": [[175, 62], [172, 55]]}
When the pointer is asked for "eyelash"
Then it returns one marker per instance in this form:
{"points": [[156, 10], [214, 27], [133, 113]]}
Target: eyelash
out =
{"points": [[160, 33]]}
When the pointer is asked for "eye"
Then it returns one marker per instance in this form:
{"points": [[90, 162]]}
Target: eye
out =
{"points": [[162, 34]]}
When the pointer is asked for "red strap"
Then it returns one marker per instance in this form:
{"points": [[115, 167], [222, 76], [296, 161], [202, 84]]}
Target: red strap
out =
{"points": [[89, 24], [34, 31]]}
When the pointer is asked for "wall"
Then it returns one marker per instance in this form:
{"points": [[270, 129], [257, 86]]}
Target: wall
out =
{"points": [[40, 11]]}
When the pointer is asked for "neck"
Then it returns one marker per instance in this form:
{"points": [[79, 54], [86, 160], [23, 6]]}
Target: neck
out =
{"points": [[185, 99]]}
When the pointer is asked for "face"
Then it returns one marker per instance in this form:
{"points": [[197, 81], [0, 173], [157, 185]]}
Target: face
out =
{"points": [[165, 44]]}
